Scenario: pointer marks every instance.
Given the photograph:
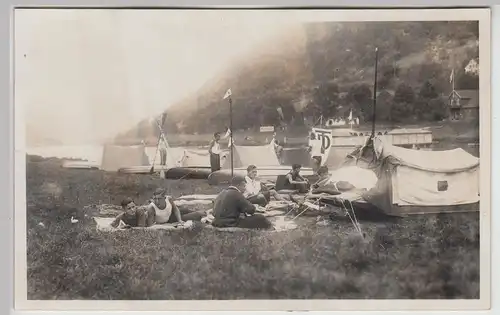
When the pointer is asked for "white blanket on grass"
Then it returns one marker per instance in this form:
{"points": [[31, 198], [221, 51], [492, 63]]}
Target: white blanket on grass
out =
{"points": [[104, 224], [280, 223]]}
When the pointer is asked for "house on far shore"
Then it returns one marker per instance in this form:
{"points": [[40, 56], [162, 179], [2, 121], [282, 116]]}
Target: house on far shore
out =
{"points": [[464, 104]]}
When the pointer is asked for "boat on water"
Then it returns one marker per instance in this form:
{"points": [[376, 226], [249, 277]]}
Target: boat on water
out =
{"points": [[80, 165], [201, 172], [334, 145]]}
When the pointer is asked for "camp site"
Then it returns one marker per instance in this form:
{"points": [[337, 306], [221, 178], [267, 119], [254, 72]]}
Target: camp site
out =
{"points": [[268, 182]]}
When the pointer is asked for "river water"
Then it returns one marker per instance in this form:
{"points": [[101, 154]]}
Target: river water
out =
{"points": [[93, 153]]}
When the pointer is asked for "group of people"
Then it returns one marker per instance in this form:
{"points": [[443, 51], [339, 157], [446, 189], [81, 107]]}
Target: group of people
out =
{"points": [[235, 206]]}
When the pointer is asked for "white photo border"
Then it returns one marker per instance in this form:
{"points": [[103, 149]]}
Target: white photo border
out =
{"points": [[19, 177]]}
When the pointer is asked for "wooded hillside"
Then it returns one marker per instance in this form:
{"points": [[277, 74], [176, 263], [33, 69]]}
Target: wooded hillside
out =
{"points": [[328, 68]]}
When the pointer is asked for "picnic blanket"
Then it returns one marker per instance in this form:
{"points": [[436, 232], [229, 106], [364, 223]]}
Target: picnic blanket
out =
{"points": [[103, 224], [280, 224]]}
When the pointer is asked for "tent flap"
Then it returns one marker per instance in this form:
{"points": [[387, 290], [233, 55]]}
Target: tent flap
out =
{"points": [[455, 160]]}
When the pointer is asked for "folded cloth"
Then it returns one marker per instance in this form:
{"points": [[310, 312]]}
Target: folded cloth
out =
{"points": [[278, 205], [104, 224], [184, 202], [198, 197]]}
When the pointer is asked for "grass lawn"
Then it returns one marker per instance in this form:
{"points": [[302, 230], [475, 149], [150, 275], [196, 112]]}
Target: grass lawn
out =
{"points": [[434, 256]]}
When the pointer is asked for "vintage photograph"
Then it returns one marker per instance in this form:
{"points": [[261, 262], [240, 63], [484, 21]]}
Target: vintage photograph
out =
{"points": [[201, 155]]}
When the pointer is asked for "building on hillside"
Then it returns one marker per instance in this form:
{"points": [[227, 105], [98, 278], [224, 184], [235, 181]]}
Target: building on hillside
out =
{"points": [[464, 104]]}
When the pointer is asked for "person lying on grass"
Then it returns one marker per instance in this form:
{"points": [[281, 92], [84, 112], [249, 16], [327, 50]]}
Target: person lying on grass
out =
{"points": [[255, 191], [295, 181], [134, 216], [231, 209], [166, 211]]}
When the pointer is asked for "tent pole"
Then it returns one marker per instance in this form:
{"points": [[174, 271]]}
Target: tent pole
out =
{"points": [[375, 94], [231, 134]]}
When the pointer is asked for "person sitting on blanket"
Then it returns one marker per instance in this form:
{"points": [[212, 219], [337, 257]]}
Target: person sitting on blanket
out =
{"points": [[231, 209], [134, 216], [295, 181], [166, 211], [255, 191]]}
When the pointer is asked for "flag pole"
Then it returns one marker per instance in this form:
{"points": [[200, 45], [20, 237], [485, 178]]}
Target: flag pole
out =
{"points": [[453, 79], [231, 133], [375, 94]]}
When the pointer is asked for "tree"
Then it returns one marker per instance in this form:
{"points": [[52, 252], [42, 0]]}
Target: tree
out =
{"points": [[403, 104], [361, 97], [404, 94], [326, 97], [429, 103]]}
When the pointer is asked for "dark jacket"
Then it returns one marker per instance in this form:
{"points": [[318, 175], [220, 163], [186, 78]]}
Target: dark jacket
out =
{"points": [[228, 207]]}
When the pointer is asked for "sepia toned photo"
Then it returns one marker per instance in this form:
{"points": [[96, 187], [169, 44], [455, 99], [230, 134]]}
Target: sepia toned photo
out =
{"points": [[240, 159]]}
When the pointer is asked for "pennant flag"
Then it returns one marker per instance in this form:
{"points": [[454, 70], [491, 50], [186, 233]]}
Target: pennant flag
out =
{"points": [[228, 93], [230, 142], [452, 75], [350, 115], [228, 133]]}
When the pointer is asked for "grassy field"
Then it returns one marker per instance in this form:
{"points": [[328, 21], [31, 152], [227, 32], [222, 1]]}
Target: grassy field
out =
{"points": [[421, 257]]}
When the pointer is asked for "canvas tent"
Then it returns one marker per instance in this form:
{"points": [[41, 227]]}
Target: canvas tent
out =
{"points": [[198, 158], [417, 181], [115, 157], [257, 155]]}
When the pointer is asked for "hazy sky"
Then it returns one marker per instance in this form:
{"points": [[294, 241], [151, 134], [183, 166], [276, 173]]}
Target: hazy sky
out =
{"points": [[84, 75]]}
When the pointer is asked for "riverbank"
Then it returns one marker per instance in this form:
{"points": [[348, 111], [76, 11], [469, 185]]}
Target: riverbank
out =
{"points": [[428, 257], [445, 131]]}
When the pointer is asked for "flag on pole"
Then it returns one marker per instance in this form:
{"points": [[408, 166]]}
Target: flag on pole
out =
{"points": [[452, 75], [228, 93], [350, 116], [230, 142], [228, 133]]}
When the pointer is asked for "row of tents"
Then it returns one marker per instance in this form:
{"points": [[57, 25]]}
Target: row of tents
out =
{"points": [[408, 181]]}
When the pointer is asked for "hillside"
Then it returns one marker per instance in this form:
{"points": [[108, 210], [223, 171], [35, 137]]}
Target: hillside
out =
{"points": [[328, 68]]}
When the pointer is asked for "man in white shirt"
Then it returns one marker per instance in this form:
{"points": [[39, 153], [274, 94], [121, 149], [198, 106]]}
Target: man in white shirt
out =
{"points": [[215, 151], [257, 193]]}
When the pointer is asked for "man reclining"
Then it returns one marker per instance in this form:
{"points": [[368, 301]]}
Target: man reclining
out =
{"points": [[231, 209], [255, 191], [166, 211], [134, 216], [324, 185], [160, 210]]}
